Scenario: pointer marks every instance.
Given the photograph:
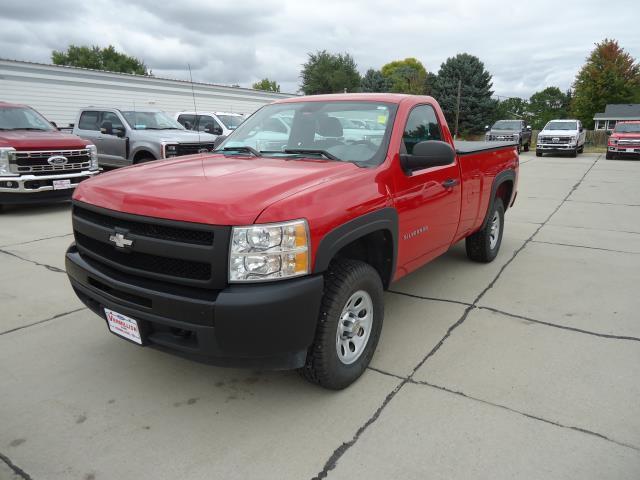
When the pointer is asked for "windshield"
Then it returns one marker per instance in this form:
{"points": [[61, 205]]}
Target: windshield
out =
{"points": [[22, 118], [231, 121], [151, 121], [627, 128], [351, 131], [561, 126], [507, 125]]}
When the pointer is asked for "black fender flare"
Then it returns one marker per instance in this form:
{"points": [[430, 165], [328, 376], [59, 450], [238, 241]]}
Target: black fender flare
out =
{"points": [[507, 175], [383, 219]]}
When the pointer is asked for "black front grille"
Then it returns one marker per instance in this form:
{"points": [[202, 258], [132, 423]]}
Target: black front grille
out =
{"points": [[29, 159], [144, 261], [178, 253], [191, 148], [153, 230]]}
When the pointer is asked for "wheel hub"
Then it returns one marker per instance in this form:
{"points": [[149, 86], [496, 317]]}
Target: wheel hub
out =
{"points": [[354, 327]]}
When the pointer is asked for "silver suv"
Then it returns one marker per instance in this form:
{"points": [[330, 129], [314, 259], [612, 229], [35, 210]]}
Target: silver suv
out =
{"points": [[127, 137]]}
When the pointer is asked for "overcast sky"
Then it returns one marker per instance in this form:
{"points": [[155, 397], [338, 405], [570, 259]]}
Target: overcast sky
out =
{"points": [[526, 46]]}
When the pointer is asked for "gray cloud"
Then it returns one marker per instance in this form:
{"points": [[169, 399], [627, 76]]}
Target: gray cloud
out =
{"points": [[526, 49]]}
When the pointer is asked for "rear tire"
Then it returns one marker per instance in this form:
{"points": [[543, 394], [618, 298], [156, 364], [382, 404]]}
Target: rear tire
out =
{"points": [[526, 147], [349, 325], [484, 245], [144, 160]]}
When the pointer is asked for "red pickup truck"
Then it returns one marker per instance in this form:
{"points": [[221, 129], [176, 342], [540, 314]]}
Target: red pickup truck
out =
{"points": [[274, 251], [38, 163], [624, 140]]}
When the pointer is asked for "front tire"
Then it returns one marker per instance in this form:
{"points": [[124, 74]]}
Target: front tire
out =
{"points": [[538, 154], [349, 326], [581, 149], [574, 153], [610, 156], [484, 245]]}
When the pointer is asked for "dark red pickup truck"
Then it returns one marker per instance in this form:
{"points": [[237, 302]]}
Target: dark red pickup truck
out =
{"points": [[274, 251]]}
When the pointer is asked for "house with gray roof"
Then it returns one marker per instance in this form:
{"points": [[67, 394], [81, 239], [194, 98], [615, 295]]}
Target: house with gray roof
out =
{"points": [[614, 113]]}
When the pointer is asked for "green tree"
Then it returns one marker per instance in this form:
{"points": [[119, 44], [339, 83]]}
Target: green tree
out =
{"points": [[328, 73], [548, 104], [108, 59], [405, 76], [513, 108], [266, 84], [610, 75], [476, 105], [374, 81]]}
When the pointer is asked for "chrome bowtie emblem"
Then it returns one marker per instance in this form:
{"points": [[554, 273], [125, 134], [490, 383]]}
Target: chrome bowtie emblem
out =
{"points": [[120, 240], [57, 160]]}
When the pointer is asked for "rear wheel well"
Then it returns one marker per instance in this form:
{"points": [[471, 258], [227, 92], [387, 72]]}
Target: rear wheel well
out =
{"points": [[142, 154], [376, 249], [504, 192]]}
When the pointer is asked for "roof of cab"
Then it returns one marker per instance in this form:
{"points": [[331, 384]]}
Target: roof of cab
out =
{"points": [[355, 97]]}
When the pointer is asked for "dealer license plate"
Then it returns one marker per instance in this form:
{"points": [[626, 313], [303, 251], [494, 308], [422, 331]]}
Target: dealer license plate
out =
{"points": [[62, 184], [124, 326], [631, 150]]}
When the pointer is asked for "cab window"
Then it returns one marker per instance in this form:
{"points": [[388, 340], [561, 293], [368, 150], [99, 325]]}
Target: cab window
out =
{"points": [[422, 125], [89, 121], [207, 123], [187, 118], [113, 118]]}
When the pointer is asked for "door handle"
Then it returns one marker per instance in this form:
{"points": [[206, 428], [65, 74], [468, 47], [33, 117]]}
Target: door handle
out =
{"points": [[450, 183]]}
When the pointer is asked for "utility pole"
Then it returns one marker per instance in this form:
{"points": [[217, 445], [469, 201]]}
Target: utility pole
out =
{"points": [[455, 135]]}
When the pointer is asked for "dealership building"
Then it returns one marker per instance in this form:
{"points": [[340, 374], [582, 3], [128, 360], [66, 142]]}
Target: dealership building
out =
{"points": [[59, 92]]}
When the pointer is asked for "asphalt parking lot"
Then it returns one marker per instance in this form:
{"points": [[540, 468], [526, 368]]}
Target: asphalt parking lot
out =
{"points": [[528, 367]]}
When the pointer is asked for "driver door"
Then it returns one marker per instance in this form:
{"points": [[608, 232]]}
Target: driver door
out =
{"points": [[113, 146], [428, 201]]}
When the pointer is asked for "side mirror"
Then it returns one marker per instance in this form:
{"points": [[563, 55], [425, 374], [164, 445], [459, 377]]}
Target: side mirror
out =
{"points": [[54, 125], [487, 128], [119, 132], [430, 153], [187, 125], [217, 130], [106, 128], [529, 128], [582, 129], [608, 132]]}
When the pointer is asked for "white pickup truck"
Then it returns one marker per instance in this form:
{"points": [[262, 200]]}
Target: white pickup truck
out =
{"points": [[561, 136], [215, 123]]}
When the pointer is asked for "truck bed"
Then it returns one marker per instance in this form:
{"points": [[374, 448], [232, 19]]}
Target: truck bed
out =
{"points": [[468, 148]]}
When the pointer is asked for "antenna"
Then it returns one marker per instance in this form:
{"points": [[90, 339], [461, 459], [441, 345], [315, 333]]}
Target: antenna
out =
{"points": [[193, 94]]}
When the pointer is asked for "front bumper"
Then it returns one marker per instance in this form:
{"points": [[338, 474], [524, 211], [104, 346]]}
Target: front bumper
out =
{"points": [[39, 188], [622, 150], [266, 326], [556, 147]]}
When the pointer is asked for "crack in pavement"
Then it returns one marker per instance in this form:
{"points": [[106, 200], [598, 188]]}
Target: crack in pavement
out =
{"points": [[528, 415], [43, 321], [556, 325], [37, 240], [17, 470], [48, 267], [585, 246], [446, 300], [332, 462]]}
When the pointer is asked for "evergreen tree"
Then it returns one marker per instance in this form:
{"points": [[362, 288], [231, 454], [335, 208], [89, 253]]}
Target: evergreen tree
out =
{"points": [[476, 105], [374, 81]]}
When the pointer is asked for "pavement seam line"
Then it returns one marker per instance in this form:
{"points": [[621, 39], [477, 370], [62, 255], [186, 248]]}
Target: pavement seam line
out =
{"points": [[556, 325], [342, 449], [59, 315], [48, 267], [585, 246], [435, 299], [17, 470], [607, 203], [528, 415], [37, 240], [589, 228]]}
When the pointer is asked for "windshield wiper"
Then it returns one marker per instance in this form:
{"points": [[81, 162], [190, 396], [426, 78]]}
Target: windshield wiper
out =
{"points": [[243, 149], [311, 151], [27, 128]]}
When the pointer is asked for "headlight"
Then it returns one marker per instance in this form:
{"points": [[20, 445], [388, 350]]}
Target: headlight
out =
{"points": [[93, 157], [170, 151], [613, 141], [7, 156], [269, 252]]}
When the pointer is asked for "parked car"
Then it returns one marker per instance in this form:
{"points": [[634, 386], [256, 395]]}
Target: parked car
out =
{"points": [[624, 140], [561, 136], [510, 131], [126, 137], [37, 162], [279, 259], [215, 123]]}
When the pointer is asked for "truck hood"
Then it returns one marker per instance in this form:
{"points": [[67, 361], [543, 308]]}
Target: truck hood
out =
{"points": [[181, 136], [502, 132], [557, 133], [629, 135], [211, 189], [33, 140]]}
